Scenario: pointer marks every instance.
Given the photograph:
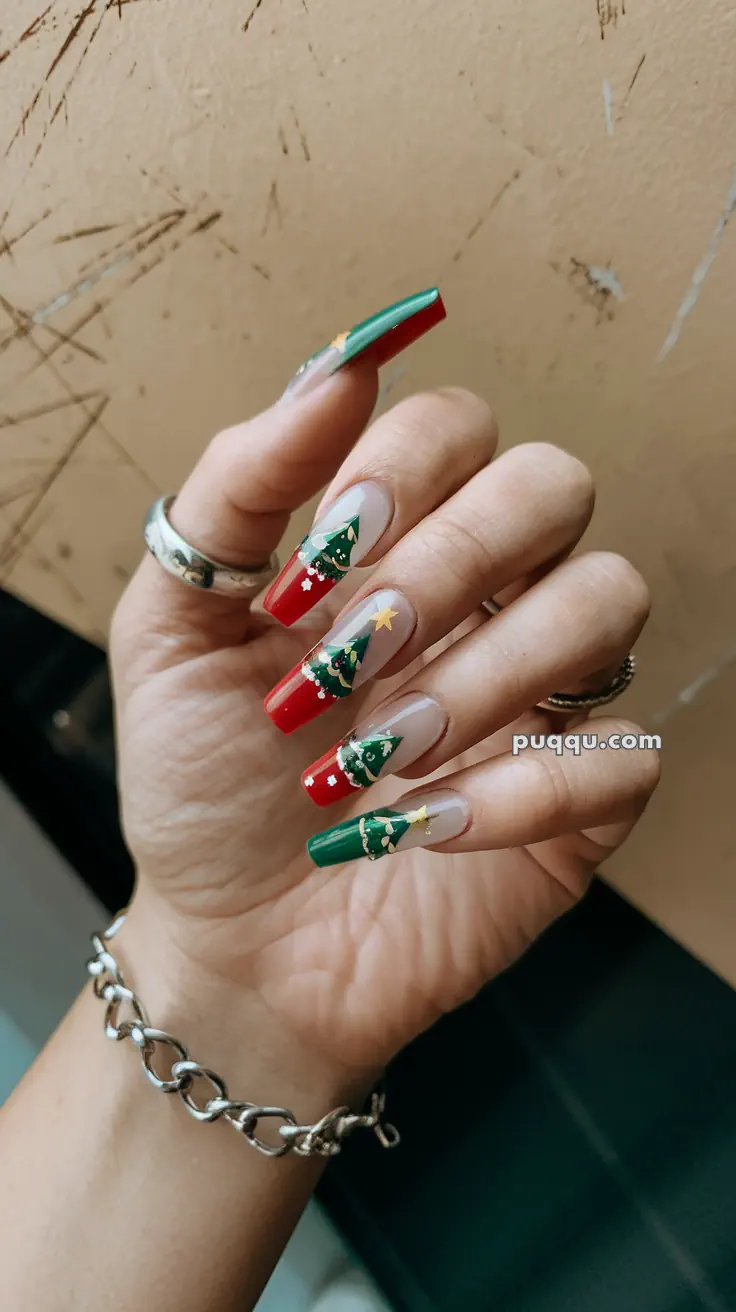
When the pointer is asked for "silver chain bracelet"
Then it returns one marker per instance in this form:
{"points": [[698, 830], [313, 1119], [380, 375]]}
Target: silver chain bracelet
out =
{"points": [[323, 1139]]}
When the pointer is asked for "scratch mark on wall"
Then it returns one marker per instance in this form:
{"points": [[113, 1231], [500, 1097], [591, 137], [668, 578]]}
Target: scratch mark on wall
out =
{"points": [[63, 48], [205, 224], [57, 108], [83, 400], [302, 138], [36, 25], [84, 232], [22, 488], [273, 208], [71, 37], [637, 71], [690, 299], [7, 243], [482, 218], [608, 106], [40, 411], [603, 277], [282, 141], [162, 223], [261, 271], [597, 284], [608, 14], [30, 31], [320, 70], [687, 695], [252, 15], [65, 340], [61, 301], [90, 420]]}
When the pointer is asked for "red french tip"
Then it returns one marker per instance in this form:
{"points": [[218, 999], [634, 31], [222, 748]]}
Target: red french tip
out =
{"points": [[325, 782], [404, 334], [295, 592], [295, 701]]}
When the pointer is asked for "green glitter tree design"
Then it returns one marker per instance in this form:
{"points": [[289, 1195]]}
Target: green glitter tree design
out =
{"points": [[334, 668], [380, 832], [328, 554], [363, 759]]}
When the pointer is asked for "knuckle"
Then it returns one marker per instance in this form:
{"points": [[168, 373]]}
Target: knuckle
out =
{"points": [[550, 787], [616, 575], [456, 550]]}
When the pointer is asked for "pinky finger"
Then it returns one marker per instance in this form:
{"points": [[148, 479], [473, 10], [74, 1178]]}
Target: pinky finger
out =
{"points": [[513, 801]]}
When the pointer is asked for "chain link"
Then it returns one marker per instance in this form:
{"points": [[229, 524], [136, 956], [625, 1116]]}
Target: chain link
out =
{"points": [[126, 1018]]}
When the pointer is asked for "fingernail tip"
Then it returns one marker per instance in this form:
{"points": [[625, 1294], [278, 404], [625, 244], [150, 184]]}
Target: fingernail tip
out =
{"points": [[313, 852], [275, 720], [285, 621]]}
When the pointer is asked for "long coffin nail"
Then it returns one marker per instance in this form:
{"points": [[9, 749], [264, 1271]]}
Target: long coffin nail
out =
{"points": [[355, 649], [420, 821], [388, 742], [383, 335], [338, 541]]}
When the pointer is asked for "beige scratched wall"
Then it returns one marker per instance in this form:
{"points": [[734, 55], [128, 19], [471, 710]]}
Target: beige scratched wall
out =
{"points": [[193, 197]]}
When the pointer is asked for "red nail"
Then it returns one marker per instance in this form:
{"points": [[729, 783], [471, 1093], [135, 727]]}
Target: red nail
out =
{"points": [[355, 649], [326, 781], [339, 540]]}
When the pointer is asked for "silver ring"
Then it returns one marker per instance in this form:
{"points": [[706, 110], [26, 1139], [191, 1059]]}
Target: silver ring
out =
{"points": [[180, 558], [583, 701]]}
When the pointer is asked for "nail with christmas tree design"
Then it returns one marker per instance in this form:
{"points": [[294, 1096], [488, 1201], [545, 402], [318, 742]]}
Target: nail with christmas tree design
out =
{"points": [[382, 336], [386, 743], [341, 537], [356, 647], [422, 820]]}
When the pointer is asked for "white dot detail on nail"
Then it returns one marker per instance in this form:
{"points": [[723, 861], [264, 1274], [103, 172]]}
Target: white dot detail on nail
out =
{"points": [[306, 584], [309, 781], [331, 779]]}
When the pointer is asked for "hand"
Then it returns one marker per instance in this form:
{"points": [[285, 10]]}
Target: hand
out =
{"points": [[353, 960]]}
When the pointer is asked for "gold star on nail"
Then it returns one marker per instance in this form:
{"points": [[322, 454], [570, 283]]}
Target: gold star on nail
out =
{"points": [[419, 817], [340, 341], [382, 618]]}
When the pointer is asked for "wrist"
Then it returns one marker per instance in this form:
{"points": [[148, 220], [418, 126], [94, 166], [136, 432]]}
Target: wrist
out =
{"points": [[225, 1025]]}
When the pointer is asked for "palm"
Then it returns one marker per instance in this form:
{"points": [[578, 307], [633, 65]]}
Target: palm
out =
{"points": [[356, 960]]}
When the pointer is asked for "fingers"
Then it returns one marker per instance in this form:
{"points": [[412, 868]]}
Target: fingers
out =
{"points": [[406, 464], [235, 505], [511, 801], [510, 518], [582, 617]]}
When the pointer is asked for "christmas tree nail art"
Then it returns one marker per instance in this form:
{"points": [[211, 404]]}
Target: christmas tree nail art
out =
{"points": [[421, 821], [383, 335], [401, 733], [355, 649], [342, 536]]}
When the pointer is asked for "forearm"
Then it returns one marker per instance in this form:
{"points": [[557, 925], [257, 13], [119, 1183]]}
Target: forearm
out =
{"points": [[112, 1195]]}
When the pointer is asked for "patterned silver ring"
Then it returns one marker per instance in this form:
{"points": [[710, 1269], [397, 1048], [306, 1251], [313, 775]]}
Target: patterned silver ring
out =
{"points": [[180, 558], [583, 701]]}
